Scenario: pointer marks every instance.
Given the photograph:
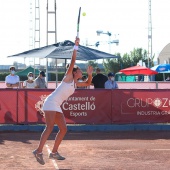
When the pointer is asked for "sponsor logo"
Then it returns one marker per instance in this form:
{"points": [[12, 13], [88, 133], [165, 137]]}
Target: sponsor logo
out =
{"points": [[76, 110], [146, 106], [139, 102], [81, 106], [39, 104], [148, 113]]}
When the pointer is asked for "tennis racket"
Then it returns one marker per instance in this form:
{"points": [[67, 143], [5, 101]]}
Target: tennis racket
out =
{"points": [[78, 22]]}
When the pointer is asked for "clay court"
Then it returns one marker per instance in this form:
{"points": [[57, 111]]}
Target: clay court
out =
{"points": [[89, 150]]}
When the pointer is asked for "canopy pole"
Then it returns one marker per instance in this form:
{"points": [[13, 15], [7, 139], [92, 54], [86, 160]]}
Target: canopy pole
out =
{"points": [[47, 71], [65, 65], [34, 68], [56, 73], [164, 76]]}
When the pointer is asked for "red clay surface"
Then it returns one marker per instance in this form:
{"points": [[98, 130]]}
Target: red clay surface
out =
{"points": [[148, 150]]}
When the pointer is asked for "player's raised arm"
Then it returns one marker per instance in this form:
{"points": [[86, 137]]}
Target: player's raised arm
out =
{"points": [[73, 58]]}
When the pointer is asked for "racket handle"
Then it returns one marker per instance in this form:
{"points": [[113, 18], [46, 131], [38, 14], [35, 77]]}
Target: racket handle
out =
{"points": [[78, 22]]}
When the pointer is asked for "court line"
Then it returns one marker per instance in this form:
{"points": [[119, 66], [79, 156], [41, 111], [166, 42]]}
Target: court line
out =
{"points": [[129, 150], [53, 161]]}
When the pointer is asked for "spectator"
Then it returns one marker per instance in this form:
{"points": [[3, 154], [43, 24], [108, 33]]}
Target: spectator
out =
{"points": [[111, 83], [40, 81], [99, 79], [30, 84], [12, 80], [83, 79]]}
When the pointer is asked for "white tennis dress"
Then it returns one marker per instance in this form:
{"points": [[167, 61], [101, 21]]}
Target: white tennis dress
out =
{"points": [[56, 98]]}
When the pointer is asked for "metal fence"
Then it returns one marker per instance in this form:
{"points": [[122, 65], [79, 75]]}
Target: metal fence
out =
{"points": [[144, 85], [121, 85]]}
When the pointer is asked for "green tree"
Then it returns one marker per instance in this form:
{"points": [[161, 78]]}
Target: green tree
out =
{"points": [[151, 63], [94, 64], [127, 60], [112, 65]]}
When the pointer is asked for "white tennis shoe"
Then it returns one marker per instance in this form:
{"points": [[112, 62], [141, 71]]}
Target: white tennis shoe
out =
{"points": [[56, 156], [39, 157]]}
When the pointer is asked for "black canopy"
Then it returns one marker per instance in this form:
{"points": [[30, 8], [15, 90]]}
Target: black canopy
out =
{"points": [[63, 50]]}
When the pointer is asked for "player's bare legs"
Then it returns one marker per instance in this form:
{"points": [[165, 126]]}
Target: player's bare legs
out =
{"points": [[61, 123], [50, 121]]}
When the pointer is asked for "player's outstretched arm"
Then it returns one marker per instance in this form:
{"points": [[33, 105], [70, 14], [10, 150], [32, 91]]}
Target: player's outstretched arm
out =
{"points": [[73, 58]]}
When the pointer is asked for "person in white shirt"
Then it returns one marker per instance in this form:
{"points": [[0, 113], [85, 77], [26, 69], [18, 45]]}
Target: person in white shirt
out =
{"points": [[83, 79], [12, 80], [30, 84], [111, 83]]}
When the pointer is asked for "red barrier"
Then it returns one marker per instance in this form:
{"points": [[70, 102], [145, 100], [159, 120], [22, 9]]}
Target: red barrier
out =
{"points": [[82, 107], [87, 106], [28, 101], [8, 106], [141, 106]]}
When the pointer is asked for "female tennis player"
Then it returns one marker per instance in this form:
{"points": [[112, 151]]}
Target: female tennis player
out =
{"points": [[52, 109]]}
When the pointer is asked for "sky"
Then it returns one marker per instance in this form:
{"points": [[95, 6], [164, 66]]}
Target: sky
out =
{"points": [[126, 20]]}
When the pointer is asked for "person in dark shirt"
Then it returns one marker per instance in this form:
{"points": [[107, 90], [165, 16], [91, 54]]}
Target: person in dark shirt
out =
{"points": [[99, 79]]}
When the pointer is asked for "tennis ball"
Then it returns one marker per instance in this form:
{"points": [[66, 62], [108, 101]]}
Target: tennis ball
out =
{"points": [[84, 14]]}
